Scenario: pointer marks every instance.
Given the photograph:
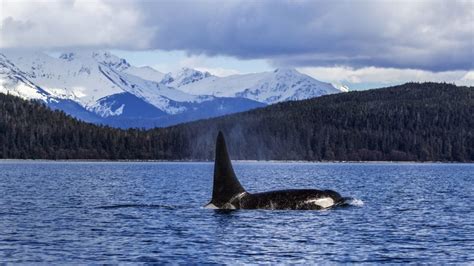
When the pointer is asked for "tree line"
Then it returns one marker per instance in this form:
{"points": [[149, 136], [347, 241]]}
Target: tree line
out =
{"points": [[410, 122]]}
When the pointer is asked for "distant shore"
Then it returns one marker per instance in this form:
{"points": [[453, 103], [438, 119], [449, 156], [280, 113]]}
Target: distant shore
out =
{"points": [[237, 161]]}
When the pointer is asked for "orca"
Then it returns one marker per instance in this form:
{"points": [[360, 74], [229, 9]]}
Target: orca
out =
{"points": [[228, 193]]}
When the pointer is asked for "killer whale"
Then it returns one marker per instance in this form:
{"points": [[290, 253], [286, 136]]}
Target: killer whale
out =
{"points": [[228, 193]]}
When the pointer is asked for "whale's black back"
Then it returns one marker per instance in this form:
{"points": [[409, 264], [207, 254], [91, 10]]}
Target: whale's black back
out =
{"points": [[228, 193]]}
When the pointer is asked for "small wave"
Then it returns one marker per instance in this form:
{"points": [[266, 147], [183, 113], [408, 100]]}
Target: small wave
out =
{"points": [[354, 202], [153, 206]]}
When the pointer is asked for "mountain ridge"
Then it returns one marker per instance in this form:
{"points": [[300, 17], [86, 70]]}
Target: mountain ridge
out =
{"points": [[282, 84], [92, 78]]}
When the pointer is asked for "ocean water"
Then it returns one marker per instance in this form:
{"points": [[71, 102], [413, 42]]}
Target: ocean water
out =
{"points": [[106, 212]]}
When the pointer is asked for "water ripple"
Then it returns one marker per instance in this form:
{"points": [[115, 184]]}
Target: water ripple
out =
{"points": [[93, 213]]}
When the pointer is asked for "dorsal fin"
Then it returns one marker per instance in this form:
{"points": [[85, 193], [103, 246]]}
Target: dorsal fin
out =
{"points": [[226, 184]]}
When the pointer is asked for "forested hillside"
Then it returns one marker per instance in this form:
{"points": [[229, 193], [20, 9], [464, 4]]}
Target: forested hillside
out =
{"points": [[420, 122]]}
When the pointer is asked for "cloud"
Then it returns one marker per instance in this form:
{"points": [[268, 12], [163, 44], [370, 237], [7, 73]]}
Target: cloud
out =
{"points": [[369, 77], [72, 24], [217, 66], [431, 35]]}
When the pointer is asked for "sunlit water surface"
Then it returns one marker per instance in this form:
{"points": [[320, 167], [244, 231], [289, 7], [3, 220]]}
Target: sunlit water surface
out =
{"points": [[94, 212]]}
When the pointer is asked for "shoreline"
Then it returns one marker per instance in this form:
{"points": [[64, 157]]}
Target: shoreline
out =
{"points": [[237, 161]]}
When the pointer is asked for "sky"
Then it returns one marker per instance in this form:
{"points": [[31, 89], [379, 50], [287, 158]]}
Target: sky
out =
{"points": [[362, 43]]}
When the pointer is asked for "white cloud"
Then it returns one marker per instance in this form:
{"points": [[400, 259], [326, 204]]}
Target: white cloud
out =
{"points": [[76, 24], [214, 65], [204, 63], [370, 76]]}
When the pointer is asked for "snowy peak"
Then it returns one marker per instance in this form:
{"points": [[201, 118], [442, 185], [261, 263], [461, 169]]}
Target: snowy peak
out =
{"points": [[282, 84], [183, 77], [116, 63], [286, 75], [74, 76], [111, 61], [87, 77], [102, 57], [286, 71], [287, 84]]}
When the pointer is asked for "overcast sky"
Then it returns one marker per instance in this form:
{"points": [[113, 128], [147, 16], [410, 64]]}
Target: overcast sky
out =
{"points": [[359, 43]]}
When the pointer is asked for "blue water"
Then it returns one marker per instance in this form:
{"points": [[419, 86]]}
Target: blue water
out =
{"points": [[83, 212]]}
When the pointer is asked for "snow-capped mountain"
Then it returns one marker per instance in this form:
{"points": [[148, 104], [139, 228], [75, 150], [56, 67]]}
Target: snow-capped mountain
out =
{"points": [[15, 82], [184, 77], [268, 87], [146, 73], [102, 88], [120, 64], [107, 87], [66, 77]]}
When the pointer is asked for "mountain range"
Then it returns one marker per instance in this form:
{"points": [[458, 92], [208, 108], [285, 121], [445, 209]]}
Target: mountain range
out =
{"points": [[99, 87]]}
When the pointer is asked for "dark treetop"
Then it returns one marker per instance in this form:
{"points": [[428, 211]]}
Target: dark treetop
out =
{"points": [[419, 122]]}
